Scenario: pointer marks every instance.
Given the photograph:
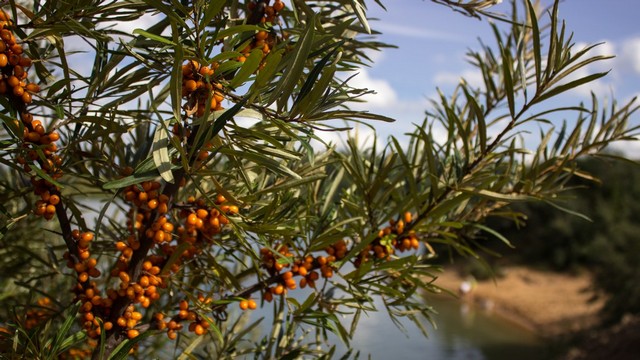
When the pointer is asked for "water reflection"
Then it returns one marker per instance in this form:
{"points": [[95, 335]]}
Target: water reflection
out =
{"points": [[464, 331]]}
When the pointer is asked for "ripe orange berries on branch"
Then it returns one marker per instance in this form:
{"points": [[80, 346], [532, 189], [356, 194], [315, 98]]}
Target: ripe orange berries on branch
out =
{"points": [[38, 146]]}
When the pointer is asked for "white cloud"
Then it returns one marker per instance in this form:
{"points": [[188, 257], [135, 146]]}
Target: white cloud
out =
{"points": [[143, 22], [473, 77], [629, 57], [384, 94], [415, 32]]}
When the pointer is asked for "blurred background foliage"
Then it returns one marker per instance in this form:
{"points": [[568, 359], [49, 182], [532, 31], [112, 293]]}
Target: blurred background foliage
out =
{"points": [[603, 240]]}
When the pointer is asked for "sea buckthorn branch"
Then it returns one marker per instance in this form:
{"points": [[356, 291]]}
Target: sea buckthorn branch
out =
{"points": [[38, 146], [116, 310], [281, 278]]}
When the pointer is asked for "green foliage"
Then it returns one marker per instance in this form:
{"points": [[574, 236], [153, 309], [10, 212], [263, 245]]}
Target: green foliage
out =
{"points": [[355, 213]]}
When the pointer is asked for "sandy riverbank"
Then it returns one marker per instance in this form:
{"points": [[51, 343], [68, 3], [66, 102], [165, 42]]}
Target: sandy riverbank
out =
{"points": [[549, 303]]}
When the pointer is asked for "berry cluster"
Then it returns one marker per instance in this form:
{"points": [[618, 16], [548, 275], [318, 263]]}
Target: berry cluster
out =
{"points": [[83, 352], [267, 13], [389, 239], [38, 146], [198, 325], [150, 218], [304, 267], [37, 315], [94, 307], [14, 65], [199, 89], [264, 39]]}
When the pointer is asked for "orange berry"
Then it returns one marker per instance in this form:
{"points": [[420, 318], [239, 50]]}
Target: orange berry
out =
{"points": [[199, 330], [31, 87], [122, 322], [83, 277], [244, 305], [190, 85], [407, 217], [252, 304], [13, 81], [18, 91], [124, 277], [54, 200], [51, 209], [4, 60], [25, 62], [152, 204], [16, 49], [192, 219], [261, 35], [26, 97], [302, 271], [202, 213], [278, 290], [132, 333], [87, 236]]}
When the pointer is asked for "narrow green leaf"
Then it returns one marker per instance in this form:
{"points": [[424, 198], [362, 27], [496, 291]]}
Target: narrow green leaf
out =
{"points": [[236, 30], [213, 9], [535, 32], [260, 159], [250, 65], [154, 37], [122, 350], [136, 178], [187, 352], [308, 103], [46, 176], [507, 67], [297, 63], [175, 84], [553, 42], [265, 75], [494, 233], [295, 183], [478, 114], [568, 86], [71, 340], [64, 328], [314, 74], [497, 196], [360, 13], [160, 153]]}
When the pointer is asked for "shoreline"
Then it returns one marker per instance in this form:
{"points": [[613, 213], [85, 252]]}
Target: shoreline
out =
{"points": [[547, 303]]}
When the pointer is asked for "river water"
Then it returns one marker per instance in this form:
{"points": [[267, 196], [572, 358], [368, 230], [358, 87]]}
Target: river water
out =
{"points": [[464, 332]]}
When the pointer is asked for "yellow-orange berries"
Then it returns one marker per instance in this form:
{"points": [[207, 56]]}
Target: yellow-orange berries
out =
{"points": [[252, 304]]}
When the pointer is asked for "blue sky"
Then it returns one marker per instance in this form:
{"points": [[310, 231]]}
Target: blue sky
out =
{"points": [[432, 41]]}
